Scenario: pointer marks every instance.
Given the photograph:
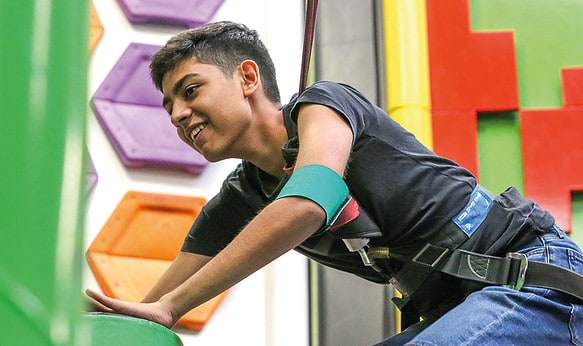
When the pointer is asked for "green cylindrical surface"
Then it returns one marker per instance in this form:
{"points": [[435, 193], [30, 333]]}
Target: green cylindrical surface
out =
{"points": [[43, 72], [110, 329]]}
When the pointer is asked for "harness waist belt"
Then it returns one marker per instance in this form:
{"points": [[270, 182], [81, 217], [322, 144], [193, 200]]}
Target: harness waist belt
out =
{"points": [[513, 271]]}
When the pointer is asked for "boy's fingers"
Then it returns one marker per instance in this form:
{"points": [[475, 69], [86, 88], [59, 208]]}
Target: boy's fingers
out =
{"points": [[94, 301]]}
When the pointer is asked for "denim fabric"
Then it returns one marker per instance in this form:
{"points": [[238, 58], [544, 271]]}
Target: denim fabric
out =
{"points": [[501, 316]]}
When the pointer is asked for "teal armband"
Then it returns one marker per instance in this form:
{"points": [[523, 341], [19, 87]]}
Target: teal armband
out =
{"points": [[319, 184]]}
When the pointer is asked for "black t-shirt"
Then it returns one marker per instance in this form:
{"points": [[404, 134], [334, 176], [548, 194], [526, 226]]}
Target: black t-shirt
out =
{"points": [[407, 190]]}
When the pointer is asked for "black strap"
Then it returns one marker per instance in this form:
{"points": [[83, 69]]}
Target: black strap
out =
{"points": [[309, 28], [513, 271], [507, 271]]}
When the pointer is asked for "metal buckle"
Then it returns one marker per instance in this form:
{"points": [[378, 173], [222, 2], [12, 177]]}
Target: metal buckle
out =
{"points": [[523, 266]]}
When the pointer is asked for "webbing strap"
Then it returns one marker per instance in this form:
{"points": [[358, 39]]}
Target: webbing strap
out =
{"points": [[506, 271], [512, 271], [309, 28]]}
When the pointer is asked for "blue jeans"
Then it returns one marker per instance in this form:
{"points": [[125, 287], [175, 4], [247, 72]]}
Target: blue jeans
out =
{"points": [[501, 316]]}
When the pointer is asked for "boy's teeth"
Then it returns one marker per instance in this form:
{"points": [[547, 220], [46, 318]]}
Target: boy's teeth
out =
{"points": [[196, 131]]}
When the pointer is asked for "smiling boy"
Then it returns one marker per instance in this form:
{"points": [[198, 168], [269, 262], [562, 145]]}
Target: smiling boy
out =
{"points": [[333, 177]]}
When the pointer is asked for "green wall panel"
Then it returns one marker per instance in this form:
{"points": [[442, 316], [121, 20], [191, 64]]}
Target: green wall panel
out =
{"points": [[499, 150], [577, 210], [547, 36], [43, 64]]}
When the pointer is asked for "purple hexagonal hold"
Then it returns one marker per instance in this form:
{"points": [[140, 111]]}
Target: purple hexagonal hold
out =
{"points": [[191, 13], [129, 109]]}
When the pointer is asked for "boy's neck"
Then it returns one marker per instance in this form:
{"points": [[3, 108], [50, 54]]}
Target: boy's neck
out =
{"points": [[271, 135]]}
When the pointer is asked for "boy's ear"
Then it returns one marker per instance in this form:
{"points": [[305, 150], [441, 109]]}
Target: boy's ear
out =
{"points": [[249, 77]]}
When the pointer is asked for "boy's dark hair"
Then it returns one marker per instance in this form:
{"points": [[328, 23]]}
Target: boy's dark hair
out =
{"points": [[223, 44]]}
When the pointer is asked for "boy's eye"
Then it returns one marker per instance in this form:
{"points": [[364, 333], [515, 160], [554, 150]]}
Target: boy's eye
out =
{"points": [[189, 90]]}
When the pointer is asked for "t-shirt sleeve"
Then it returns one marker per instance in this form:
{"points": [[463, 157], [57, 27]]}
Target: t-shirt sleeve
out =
{"points": [[224, 216], [347, 101]]}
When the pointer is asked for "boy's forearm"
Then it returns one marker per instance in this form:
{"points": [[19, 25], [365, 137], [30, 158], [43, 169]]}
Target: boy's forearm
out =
{"points": [[280, 227], [182, 268]]}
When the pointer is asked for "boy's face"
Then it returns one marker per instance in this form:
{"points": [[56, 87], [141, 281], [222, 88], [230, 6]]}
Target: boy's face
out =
{"points": [[210, 110]]}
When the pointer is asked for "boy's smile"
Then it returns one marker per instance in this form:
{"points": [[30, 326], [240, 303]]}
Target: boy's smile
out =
{"points": [[223, 116], [208, 108]]}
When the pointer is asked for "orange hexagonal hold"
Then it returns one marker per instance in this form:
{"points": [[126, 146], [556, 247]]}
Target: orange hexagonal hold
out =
{"points": [[137, 244], [95, 28]]}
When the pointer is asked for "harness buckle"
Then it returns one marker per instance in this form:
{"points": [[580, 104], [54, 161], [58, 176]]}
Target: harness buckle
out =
{"points": [[518, 266]]}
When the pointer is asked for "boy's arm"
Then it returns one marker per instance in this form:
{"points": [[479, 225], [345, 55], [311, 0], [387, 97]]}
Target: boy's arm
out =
{"points": [[284, 224], [183, 267]]}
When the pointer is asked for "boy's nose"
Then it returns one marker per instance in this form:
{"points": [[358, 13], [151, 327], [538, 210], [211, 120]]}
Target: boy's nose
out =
{"points": [[180, 115]]}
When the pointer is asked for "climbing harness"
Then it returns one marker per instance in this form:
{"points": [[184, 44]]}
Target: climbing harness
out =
{"points": [[356, 228]]}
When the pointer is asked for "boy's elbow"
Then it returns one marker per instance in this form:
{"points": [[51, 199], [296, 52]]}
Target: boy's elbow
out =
{"points": [[304, 212]]}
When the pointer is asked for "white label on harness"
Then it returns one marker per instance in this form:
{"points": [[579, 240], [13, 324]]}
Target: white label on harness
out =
{"points": [[474, 213]]}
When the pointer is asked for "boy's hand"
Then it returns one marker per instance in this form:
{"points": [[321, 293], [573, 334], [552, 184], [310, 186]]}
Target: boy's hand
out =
{"points": [[155, 312]]}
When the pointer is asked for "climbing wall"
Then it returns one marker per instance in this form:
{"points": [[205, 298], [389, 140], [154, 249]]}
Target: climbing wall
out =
{"points": [[145, 186], [506, 84]]}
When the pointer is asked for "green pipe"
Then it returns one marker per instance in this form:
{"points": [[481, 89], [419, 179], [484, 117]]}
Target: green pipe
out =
{"points": [[43, 78]]}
